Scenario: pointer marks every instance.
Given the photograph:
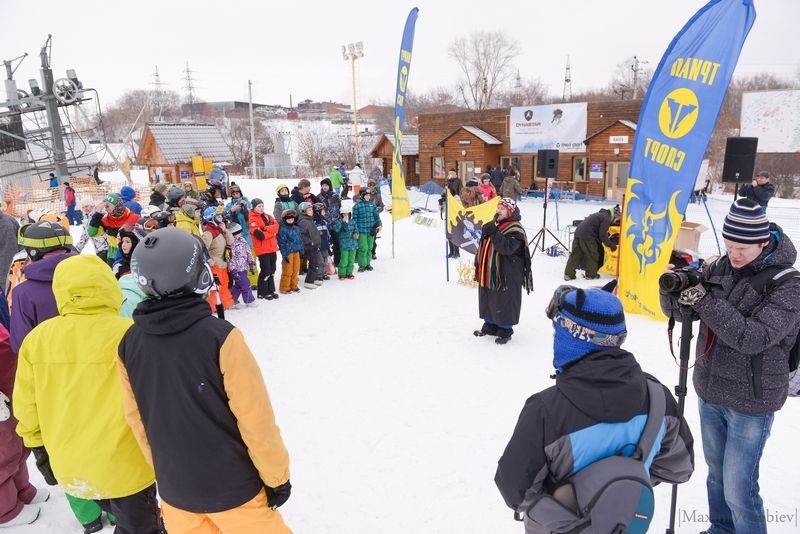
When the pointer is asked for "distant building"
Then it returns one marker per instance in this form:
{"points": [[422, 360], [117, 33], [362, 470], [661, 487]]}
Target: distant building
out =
{"points": [[228, 106], [409, 149], [167, 149], [329, 110]]}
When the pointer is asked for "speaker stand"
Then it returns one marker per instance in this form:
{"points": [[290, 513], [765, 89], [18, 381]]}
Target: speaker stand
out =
{"points": [[538, 239]]}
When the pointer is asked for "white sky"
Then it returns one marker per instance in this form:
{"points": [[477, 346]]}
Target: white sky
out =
{"points": [[295, 47]]}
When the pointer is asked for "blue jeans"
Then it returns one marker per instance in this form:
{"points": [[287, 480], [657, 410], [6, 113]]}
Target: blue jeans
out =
{"points": [[732, 444], [74, 216]]}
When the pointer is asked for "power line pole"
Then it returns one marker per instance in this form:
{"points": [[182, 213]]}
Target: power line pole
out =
{"points": [[158, 96], [567, 92], [189, 89], [635, 68], [252, 131], [51, 108]]}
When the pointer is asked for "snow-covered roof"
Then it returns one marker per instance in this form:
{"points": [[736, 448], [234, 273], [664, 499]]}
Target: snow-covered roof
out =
{"points": [[629, 124], [484, 136], [409, 145], [180, 141]]}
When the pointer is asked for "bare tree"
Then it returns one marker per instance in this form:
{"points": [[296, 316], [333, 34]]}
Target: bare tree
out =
{"points": [[236, 132], [524, 92], [630, 79], [124, 120], [314, 149], [486, 63]]}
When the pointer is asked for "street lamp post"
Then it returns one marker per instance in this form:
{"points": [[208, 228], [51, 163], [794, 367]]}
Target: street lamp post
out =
{"points": [[352, 52]]}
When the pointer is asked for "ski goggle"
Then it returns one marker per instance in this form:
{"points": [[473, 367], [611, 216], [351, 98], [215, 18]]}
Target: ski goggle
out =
{"points": [[584, 333], [556, 303]]}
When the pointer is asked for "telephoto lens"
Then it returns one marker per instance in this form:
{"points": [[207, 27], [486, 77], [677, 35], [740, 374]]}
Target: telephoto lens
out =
{"points": [[679, 279]]}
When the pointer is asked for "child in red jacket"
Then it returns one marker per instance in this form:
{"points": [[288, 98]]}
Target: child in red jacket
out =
{"points": [[264, 229]]}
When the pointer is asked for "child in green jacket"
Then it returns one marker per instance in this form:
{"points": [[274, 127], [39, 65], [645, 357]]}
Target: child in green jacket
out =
{"points": [[348, 243]]}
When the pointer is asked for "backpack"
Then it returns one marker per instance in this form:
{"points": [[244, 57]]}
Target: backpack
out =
{"points": [[764, 282], [613, 495]]}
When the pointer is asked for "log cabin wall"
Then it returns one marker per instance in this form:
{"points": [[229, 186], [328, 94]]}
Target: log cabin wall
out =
{"points": [[434, 127]]}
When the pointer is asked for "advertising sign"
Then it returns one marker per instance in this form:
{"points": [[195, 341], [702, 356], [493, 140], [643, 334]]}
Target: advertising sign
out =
{"points": [[553, 126]]}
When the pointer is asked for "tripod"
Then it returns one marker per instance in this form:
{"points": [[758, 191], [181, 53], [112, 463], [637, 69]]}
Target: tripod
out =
{"points": [[540, 235], [687, 316]]}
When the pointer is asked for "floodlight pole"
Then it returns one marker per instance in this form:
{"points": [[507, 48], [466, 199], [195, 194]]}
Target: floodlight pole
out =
{"points": [[252, 131], [352, 53]]}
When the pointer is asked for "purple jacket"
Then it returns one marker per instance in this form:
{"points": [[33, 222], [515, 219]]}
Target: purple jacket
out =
{"points": [[241, 257], [32, 301]]}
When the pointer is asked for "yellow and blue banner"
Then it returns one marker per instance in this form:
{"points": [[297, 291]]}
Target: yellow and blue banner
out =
{"points": [[465, 225], [675, 124], [401, 208]]}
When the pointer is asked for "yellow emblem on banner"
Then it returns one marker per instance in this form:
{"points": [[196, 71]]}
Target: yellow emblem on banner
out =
{"points": [[678, 113]]}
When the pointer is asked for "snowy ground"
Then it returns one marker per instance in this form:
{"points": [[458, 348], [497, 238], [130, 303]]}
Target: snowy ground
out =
{"points": [[395, 415]]}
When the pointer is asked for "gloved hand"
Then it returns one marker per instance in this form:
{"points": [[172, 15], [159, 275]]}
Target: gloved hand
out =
{"points": [[97, 218], [5, 403], [43, 464], [258, 234], [277, 496], [692, 295], [613, 247], [378, 229], [489, 229]]}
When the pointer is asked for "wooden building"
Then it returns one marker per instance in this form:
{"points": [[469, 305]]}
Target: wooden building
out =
{"points": [[167, 149], [469, 141], [409, 149]]}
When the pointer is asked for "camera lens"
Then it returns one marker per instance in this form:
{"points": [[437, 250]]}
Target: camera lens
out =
{"points": [[671, 282]]}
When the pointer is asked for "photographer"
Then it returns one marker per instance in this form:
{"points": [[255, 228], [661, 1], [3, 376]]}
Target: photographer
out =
{"points": [[741, 370]]}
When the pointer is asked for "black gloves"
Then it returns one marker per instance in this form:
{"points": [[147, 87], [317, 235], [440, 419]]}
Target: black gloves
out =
{"points": [[43, 464], [258, 234], [489, 229], [277, 496], [97, 218]]}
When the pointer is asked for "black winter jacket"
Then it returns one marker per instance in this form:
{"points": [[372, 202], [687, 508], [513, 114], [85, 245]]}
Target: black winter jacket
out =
{"points": [[595, 227], [597, 408], [203, 406], [760, 194]]}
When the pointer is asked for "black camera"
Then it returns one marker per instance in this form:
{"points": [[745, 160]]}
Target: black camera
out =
{"points": [[680, 279]]}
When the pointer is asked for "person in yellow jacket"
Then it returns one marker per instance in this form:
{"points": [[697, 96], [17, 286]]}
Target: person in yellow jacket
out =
{"points": [[186, 222], [68, 399], [196, 400]]}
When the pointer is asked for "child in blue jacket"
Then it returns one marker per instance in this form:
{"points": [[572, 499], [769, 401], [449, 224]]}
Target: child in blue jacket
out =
{"points": [[290, 243]]}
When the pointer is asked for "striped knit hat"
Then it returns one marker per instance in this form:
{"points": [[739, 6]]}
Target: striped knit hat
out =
{"points": [[746, 223], [509, 204]]}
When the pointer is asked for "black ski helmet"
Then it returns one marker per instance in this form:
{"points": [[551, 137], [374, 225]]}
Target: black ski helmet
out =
{"points": [[170, 262], [174, 195], [43, 237]]}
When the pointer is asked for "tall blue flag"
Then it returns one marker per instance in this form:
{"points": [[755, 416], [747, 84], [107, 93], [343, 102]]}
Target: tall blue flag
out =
{"points": [[675, 124], [401, 207]]}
